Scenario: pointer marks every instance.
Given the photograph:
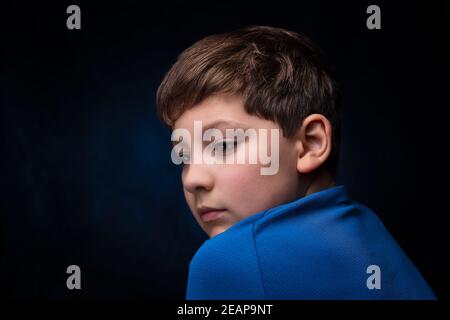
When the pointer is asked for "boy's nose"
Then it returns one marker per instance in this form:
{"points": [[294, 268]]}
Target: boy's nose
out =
{"points": [[197, 177]]}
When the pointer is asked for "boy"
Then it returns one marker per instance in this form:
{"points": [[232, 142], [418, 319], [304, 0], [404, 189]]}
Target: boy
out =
{"points": [[290, 233]]}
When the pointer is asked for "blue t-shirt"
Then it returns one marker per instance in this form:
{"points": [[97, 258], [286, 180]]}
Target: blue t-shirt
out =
{"points": [[321, 246]]}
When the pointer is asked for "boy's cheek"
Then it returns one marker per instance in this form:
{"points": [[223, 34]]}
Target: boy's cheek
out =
{"points": [[245, 189], [238, 178]]}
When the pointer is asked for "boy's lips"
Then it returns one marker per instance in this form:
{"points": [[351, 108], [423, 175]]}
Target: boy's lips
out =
{"points": [[209, 214]]}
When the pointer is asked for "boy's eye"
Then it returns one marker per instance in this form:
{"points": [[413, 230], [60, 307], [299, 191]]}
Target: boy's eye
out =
{"points": [[185, 157], [224, 146], [227, 145]]}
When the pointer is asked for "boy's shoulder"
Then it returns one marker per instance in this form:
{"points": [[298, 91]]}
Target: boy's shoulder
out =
{"points": [[226, 266], [231, 261], [319, 246]]}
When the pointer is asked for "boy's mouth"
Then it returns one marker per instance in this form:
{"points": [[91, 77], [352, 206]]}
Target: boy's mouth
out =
{"points": [[209, 214]]}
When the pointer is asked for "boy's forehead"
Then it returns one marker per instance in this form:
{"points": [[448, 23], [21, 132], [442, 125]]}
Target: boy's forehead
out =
{"points": [[216, 112], [221, 112], [220, 124]]}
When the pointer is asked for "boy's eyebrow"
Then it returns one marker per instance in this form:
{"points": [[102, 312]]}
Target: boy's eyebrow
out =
{"points": [[224, 124], [219, 124]]}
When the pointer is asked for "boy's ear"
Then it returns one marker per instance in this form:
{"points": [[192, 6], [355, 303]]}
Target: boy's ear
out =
{"points": [[313, 143]]}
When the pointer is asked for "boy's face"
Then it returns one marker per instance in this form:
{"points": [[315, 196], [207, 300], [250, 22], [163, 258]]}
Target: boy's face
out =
{"points": [[236, 190]]}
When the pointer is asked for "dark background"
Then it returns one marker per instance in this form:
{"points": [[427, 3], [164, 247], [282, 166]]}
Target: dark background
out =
{"points": [[86, 174]]}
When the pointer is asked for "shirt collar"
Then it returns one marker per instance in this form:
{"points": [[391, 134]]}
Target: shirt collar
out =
{"points": [[317, 201]]}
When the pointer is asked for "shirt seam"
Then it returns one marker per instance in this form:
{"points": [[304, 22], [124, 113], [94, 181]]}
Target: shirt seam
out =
{"points": [[257, 262]]}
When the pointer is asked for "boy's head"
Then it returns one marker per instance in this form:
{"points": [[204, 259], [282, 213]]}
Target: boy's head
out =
{"points": [[254, 78]]}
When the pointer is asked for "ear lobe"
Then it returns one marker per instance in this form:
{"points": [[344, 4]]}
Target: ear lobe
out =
{"points": [[315, 141]]}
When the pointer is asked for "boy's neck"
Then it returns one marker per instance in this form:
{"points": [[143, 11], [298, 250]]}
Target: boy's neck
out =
{"points": [[319, 181]]}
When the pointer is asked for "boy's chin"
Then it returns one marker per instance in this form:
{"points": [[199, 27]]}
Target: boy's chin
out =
{"points": [[216, 230]]}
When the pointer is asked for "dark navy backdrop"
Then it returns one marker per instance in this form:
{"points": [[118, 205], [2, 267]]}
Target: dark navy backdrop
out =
{"points": [[86, 171]]}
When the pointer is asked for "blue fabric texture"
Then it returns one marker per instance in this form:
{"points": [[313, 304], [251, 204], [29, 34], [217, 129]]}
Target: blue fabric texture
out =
{"points": [[316, 247]]}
